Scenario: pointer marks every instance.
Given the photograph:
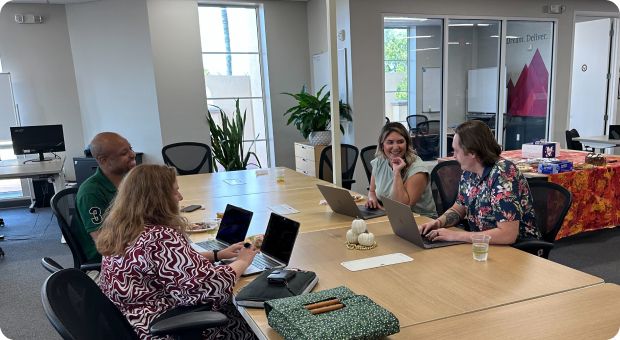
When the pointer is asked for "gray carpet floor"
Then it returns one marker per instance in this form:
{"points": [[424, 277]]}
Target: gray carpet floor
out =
{"points": [[29, 237]]}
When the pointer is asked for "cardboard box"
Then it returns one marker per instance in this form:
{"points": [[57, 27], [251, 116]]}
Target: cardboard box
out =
{"points": [[539, 150]]}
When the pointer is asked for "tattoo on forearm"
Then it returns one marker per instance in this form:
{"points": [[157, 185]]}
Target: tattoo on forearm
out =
{"points": [[452, 218]]}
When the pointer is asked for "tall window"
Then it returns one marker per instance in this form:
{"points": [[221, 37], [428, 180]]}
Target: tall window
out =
{"points": [[231, 57]]}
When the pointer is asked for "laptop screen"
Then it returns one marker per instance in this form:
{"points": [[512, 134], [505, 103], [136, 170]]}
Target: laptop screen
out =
{"points": [[234, 225], [280, 238]]}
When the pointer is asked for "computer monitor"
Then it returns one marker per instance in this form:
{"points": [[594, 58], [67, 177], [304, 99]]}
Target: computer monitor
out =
{"points": [[37, 139]]}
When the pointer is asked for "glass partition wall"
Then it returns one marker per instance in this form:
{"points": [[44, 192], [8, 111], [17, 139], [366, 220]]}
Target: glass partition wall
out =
{"points": [[413, 53], [516, 109], [529, 51]]}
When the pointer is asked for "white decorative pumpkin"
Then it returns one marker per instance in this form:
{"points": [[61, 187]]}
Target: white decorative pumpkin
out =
{"points": [[366, 239], [351, 237], [358, 226]]}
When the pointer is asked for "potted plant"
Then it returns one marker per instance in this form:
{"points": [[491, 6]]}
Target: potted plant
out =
{"points": [[312, 115], [227, 141]]}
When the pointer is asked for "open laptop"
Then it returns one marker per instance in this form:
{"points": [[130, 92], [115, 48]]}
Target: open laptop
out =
{"points": [[404, 225], [233, 228], [341, 201], [277, 245], [614, 131]]}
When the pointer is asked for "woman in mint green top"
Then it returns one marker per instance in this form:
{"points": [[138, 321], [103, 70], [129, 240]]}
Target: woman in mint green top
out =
{"points": [[398, 173]]}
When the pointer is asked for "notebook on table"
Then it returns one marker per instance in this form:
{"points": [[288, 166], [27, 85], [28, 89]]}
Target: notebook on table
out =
{"points": [[277, 246], [341, 201], [233, 228], [404, 225]]}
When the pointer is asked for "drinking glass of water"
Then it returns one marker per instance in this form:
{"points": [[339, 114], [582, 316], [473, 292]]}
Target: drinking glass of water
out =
{"points": [[480, 246]]}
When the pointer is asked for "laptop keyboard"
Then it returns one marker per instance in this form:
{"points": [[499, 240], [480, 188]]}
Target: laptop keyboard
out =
{"points": [[261, 261], [210, 245]]}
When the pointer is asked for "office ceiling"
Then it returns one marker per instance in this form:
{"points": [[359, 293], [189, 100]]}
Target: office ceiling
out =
{"points": [[51, 2]]}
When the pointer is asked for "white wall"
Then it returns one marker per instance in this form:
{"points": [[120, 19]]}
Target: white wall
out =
{"points": [[289, 68], [38, 56], [114, 68], [177, 61]]}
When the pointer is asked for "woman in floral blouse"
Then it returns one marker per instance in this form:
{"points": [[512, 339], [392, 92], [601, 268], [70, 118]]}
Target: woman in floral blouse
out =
{"points": [[149, 266], [493, 197]]}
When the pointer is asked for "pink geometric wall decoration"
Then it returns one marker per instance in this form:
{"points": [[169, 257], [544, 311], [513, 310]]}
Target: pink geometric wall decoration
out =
{"points": [[529, 96]]}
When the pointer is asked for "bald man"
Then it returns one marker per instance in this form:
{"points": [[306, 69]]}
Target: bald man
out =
{"points": [[115, 158]]}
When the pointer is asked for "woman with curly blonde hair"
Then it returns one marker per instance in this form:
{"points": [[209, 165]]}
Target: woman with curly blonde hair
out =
{"points": [[149, 267], [399, 174]]}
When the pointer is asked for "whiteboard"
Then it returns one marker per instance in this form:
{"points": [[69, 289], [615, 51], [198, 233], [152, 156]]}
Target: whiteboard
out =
{"points": [[7, 107], [321, 73], [431, 89], [482, 90]]}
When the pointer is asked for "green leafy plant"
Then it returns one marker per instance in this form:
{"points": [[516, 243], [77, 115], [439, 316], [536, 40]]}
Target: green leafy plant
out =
{"points": [[227, 140], [313, 112]]}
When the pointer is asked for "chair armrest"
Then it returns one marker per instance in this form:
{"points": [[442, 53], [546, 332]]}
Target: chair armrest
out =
{"points": [[90, 266], [536, 247], [51, 265], [188, 321]]}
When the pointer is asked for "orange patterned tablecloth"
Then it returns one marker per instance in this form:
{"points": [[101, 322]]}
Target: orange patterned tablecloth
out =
{"points": [[596, 193]]}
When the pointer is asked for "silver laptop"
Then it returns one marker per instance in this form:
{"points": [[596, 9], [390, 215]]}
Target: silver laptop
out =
{"points": [[404, 225], [341, 201], [277, 245], [233, 228]]}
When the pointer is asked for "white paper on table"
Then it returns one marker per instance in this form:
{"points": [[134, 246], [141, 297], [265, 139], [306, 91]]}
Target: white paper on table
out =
{"points": [[377, 261], [283, 209], [233, 181]]}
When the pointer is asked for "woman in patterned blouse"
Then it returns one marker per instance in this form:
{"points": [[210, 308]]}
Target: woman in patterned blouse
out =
{"points": [[493, 197], [149, 266]]}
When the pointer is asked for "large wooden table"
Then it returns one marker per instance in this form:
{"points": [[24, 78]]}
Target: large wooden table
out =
{"points": [[208, 186], [588, 313], [439, 283], [258, 194]]}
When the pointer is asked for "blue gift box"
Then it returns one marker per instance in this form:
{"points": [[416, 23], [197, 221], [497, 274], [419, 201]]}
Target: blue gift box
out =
{"points": [[555, 167]]}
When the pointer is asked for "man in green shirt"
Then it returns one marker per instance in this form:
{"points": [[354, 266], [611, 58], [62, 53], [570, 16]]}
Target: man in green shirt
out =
{"points": [[115, 158]]}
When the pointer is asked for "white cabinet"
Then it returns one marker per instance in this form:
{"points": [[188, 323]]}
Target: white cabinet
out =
{"points": [[307, 158]]}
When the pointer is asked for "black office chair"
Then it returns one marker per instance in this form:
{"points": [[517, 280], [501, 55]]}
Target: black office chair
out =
{"points": [[446, 177], [77, 309], [368, 154], [189, 158], [429, 127], [348, 156], [551, 203], [414, 120], [63, 207], [573, 144]]}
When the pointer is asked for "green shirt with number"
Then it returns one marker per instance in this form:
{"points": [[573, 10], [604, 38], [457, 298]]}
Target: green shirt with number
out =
{"points": [[92, 200]]}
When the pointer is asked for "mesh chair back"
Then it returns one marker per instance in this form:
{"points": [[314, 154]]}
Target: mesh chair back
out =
{"points": [[414, 120], [446, 177], [551, 203], [189, 158], [77, 308], [573, 144], [63, 207], [368, 154], [429, 127], [348, 156]]}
